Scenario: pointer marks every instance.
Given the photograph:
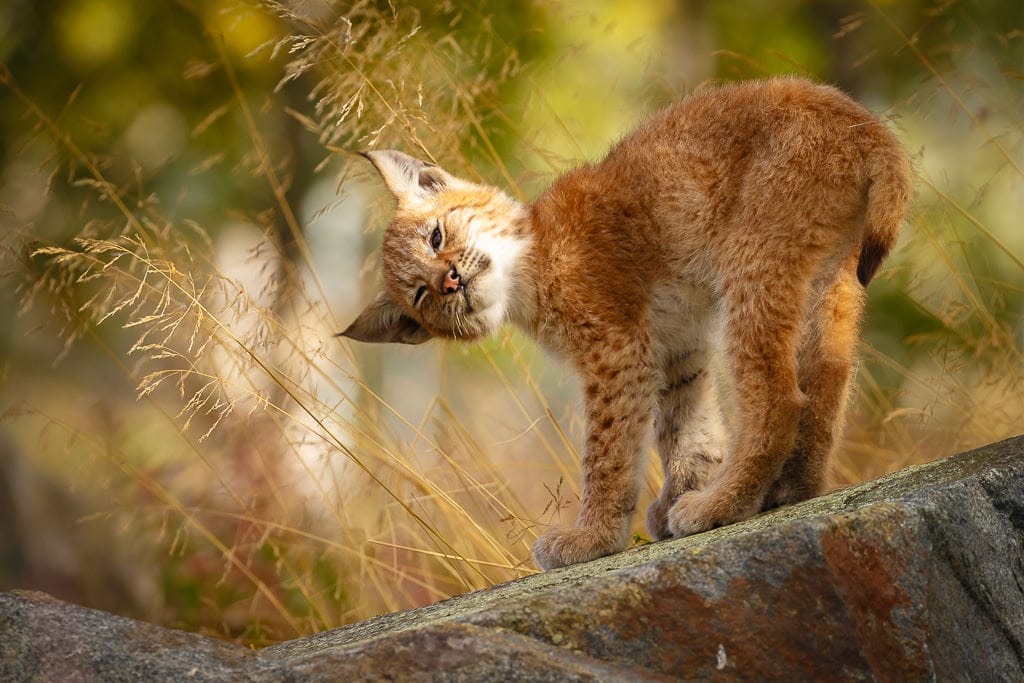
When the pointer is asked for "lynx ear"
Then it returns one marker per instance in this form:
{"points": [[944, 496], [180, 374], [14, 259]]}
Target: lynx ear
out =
{"points": [[409, 179], [383, 322]]}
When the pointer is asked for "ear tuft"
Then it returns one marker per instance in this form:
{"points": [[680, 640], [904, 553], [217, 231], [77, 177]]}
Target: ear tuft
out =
{"points": [[383, 322], [408, 178]]}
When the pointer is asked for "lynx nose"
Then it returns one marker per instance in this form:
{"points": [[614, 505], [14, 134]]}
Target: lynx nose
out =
{"points": [[452, 281]]}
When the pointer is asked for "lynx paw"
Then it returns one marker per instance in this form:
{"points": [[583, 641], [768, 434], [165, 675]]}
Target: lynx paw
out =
{"points": [[657, 518], [697, 511], [785, 495], [788, 491], [561, 545]]}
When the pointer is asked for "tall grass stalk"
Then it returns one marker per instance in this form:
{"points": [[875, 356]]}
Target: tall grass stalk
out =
{"points": [[262, 464]]}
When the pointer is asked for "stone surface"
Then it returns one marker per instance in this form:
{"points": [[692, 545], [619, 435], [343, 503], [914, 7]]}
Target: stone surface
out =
{"points": [[915, 576], [43, 639]]}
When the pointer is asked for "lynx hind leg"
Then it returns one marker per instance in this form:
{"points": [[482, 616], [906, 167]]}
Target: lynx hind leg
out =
{"points": [[763, 316], [825, 368], [689, 433]]}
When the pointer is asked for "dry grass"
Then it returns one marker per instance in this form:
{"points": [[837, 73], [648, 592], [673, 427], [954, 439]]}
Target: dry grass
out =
{"points": [[268, 469], [955, 379]]}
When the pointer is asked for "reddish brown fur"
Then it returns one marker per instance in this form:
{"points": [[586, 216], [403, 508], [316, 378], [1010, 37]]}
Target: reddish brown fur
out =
{"points": [[746, 218]]}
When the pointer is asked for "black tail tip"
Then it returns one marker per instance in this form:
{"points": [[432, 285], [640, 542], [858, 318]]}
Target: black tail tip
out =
{"points": [[871, 256]]}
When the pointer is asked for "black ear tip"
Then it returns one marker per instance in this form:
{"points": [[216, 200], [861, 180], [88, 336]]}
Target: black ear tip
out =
{"points": [[347, 332]]}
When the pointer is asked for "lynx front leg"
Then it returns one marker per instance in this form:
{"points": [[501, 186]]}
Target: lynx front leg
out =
{"points": [[618, 383], [689, 433]]}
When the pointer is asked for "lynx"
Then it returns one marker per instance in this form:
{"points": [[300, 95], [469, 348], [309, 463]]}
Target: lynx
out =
{"points": [[744, 221]]}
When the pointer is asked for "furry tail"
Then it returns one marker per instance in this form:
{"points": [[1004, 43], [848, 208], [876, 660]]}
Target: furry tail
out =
{"points": [[889, 190]]}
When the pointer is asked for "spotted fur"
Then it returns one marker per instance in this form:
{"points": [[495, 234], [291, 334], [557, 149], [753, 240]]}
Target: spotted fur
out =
{"points": [[744, 221]]}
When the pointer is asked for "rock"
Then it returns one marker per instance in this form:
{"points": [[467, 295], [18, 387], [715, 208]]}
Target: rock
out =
{"points": [[915, 576], [43, 639]]}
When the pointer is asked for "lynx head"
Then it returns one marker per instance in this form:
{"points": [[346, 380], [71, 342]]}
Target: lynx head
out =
{"points": [[451, 257]]}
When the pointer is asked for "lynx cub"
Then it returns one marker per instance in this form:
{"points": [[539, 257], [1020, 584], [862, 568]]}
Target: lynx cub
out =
{"points": [[745, 220]]}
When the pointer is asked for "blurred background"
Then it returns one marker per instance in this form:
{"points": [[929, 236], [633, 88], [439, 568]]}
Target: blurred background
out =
{"points": [[185, 226]]}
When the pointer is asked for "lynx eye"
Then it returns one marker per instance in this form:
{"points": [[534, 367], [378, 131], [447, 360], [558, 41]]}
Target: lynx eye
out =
{"points": [[419, 295], [435, 238]]}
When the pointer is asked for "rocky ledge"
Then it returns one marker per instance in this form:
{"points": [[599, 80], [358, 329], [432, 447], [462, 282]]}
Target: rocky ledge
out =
{"points": [[915, 576]]}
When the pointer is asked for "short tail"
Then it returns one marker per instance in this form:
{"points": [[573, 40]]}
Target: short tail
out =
{"points": [[890, 187]]}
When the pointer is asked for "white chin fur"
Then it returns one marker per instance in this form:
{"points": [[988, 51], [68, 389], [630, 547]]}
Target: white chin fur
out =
{"points": [[494, 289]]}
